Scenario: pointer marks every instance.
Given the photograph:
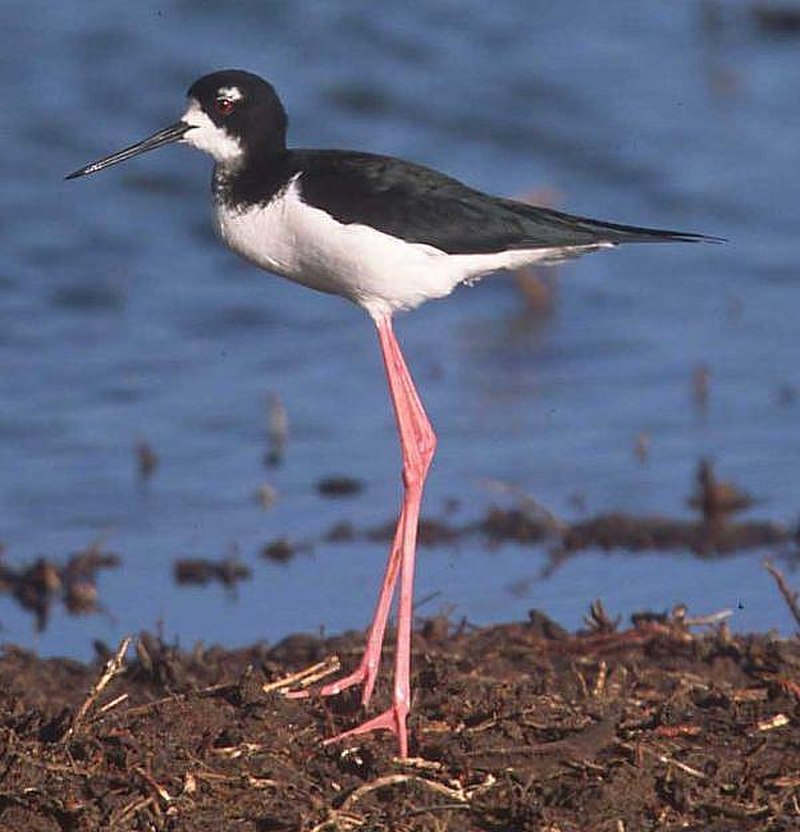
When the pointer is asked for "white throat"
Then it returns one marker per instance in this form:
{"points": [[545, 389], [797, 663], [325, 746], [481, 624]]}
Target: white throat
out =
{"points": [[211, 139]]}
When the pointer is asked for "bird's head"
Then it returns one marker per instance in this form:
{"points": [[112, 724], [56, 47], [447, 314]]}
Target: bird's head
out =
{"points": [[232, 114]]}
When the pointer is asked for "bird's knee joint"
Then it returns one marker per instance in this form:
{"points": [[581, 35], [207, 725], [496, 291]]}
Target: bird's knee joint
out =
{"points": [[428, 447], [414, 473], [413, 477]]}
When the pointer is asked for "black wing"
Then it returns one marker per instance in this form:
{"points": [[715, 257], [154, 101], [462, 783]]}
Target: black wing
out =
{"points": [[421, 205]]}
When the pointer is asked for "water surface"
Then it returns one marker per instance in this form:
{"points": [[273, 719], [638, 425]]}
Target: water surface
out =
{"points": [[122, 318]]}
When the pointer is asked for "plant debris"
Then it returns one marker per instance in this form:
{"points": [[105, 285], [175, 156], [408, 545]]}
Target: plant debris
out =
{"points": [[517, 727]]}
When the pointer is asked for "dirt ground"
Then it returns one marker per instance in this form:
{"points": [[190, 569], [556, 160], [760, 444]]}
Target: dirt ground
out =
{"points": [[664, 724]]}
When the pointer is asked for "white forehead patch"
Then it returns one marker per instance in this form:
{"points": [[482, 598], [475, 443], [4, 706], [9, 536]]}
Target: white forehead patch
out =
{"points": [[208, 137], [231, 93]]}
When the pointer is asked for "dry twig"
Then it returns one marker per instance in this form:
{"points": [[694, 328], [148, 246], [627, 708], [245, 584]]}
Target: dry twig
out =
{"points": [[789, 595], [123, 697], [708, 620], [131, 808], [306, 677], [113, 668]]}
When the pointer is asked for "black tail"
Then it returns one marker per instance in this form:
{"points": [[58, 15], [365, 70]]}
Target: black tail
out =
{"points": [[569, 229], [616, 233]]}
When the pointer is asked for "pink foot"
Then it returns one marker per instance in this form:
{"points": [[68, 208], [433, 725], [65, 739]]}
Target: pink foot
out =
{"points": [[361, 675], [393, 719], [367, 671]]}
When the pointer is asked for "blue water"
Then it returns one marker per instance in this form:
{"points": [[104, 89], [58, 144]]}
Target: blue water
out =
{"points": [[122, 318]]}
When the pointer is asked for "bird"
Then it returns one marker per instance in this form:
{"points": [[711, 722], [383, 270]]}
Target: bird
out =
{"points": [[388, 235]]}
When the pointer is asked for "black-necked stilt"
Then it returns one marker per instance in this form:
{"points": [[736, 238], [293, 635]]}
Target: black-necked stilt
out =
{"points": [[386, 234]]}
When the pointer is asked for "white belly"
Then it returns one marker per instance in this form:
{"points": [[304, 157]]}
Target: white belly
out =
{"points": [[375, 270]]}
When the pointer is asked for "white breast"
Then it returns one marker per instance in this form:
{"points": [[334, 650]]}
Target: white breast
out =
{"points": [[375, 270]]}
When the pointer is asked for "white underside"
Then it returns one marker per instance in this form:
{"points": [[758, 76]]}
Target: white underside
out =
{"points": [[379, 272]]}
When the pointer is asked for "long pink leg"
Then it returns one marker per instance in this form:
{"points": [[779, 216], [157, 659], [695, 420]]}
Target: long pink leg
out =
{"points": [[367, 670], [417, 444]]}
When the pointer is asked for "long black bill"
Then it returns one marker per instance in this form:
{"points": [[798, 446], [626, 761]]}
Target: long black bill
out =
{"points": [[169, 134]]}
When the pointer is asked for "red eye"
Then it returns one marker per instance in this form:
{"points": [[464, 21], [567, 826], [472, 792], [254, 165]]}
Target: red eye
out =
{"points": [[225, 106]]}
